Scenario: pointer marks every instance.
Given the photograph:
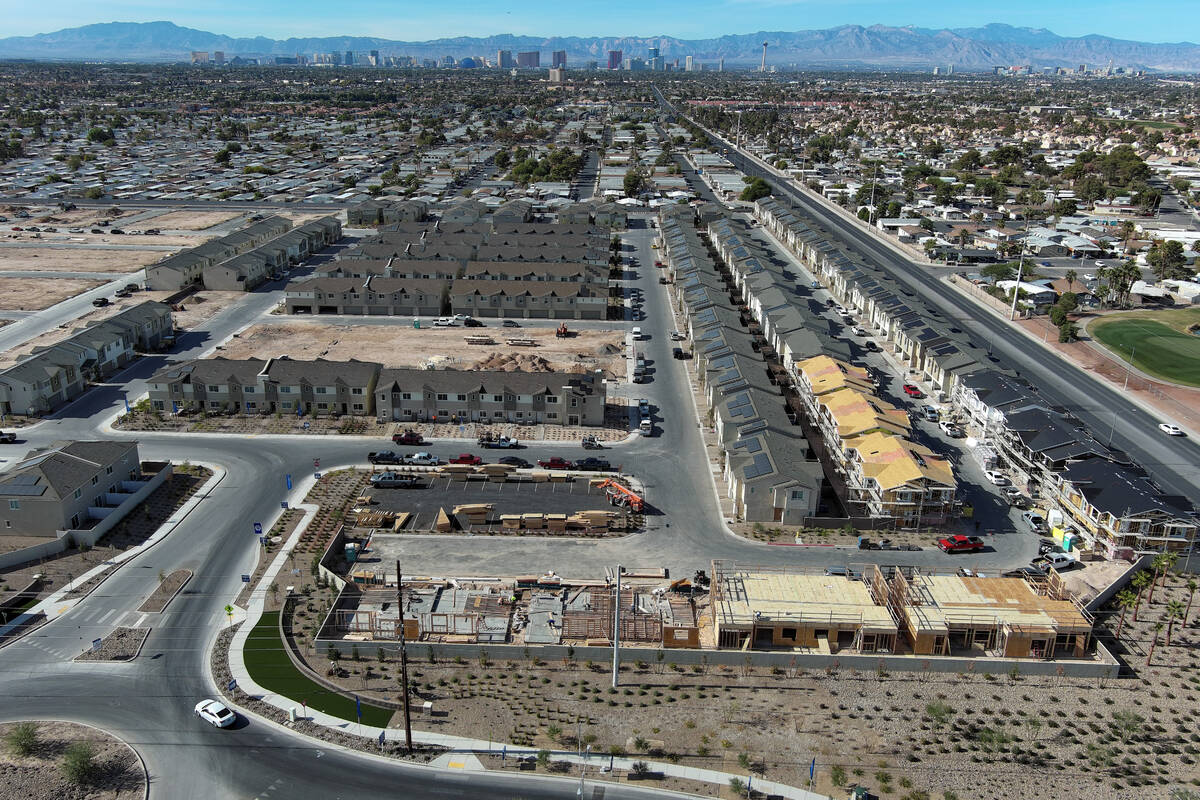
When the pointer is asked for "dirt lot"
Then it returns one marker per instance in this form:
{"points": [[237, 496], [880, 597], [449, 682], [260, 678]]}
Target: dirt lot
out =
{"points": [[80, 259], [39, 776], [401, 346], [79, 218], [188, 220], [24, 294]]}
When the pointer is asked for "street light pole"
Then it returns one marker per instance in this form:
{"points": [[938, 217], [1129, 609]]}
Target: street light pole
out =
{"points": [[1128, 366], [403, 660], [1012, 315]]}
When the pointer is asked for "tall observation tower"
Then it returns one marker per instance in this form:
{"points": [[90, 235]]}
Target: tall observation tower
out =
{"points": [[763, 66]]}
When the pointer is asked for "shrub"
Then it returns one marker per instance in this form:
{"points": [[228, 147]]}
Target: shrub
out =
{"points": [[79, 763], [22, 739]]}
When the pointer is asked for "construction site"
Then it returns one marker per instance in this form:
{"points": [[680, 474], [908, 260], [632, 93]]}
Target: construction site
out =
{"points": [[492, 499], [894, 611]]}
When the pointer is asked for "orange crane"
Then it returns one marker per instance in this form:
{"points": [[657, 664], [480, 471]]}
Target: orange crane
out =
{"points": [[619, 495], [562, 332]]}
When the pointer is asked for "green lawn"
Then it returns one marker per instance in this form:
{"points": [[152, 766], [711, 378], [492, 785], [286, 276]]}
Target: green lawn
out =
{"points": [[1158, 349], [271, 669]]}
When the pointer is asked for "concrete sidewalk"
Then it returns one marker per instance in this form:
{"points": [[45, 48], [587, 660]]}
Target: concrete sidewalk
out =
{"points": [[456, 744]]}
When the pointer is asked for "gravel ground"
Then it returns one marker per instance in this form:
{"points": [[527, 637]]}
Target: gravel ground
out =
{"points": [[123, 644], [38, 776], [166, 591]]}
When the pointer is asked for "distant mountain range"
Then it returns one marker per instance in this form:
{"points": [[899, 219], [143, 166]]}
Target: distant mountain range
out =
{"points": [[848, 46]]}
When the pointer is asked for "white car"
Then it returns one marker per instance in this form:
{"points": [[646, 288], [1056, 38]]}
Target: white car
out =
{"points": [[214, 713], [996, 477], [1170, 430], [422, 460], [676, 336], [445, 322]]}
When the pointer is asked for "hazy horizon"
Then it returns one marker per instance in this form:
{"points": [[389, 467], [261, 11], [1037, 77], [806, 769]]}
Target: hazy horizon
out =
{"points": [[1153, 21]]}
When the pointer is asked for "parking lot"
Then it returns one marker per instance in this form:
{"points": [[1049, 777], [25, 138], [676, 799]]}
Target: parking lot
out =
{"points": [[430, 496]]}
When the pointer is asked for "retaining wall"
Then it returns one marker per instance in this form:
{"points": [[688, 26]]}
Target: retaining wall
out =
{"points": [[1104, 666]]}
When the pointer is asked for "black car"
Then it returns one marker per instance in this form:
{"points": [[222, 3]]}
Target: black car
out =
{"points": [[515, 461], [100, 302], [592, 464], [1024, 572], [470, 322]]}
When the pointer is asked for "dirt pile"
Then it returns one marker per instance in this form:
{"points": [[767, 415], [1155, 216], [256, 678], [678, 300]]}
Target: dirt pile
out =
{"points": [[513, 362]]}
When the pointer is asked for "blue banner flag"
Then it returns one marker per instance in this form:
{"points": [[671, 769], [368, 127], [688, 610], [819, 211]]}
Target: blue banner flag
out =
{"points": [[812, 769], [358, 707], [381, 738]]}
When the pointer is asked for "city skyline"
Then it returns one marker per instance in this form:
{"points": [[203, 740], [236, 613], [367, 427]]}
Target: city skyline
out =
{"points": [[1155, 22]]}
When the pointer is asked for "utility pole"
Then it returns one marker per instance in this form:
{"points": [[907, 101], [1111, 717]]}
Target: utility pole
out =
{"points": [[403, 661], [871, 212], [1012, 314], [617, 632]]}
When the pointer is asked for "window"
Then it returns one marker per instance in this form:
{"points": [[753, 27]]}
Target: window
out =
{"points": [[212, 388], [13, 505], [797, 494], [441, 412], [552, 415], [78, 493], [406, 396], [108, 471], [95, 479], [357, 406], [251, 406], [461, 397], [441, 396], [322, 406], [552, 399], [214, 404], [320, 390], [286, 405], [497, 398], [787, 633], [356, 390], [498, 415], [247, 390], [7, 524], [520, 414]]}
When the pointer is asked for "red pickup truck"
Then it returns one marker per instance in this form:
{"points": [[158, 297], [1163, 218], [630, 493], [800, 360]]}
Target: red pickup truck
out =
{"points": [[467, 458], [557, 462], [960, 544], [408, 437]]}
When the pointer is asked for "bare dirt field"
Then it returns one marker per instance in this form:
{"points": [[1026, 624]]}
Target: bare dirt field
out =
{"points": [[189, 220], [78, 218], [401, 346], [25, 294], [195, 308], [38, 775], [51, 259]]}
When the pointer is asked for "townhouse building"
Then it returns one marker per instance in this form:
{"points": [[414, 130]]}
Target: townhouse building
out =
{"points": [[256, 386], [180, 270], [524, 398], [64, 487], [51, 376]]}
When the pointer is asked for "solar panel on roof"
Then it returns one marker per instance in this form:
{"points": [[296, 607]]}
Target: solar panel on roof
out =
{"points": [[753, 427], [760, 466]]}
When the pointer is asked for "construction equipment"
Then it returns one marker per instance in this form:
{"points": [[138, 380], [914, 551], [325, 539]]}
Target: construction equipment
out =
{"points": [[562, 332], [620, 495]]}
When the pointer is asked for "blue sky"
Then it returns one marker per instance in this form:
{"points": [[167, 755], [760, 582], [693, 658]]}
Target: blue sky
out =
{"points": [[1146, 20]]}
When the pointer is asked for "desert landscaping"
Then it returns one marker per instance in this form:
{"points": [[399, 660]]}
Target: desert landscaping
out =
{"points": [[77, 259]]}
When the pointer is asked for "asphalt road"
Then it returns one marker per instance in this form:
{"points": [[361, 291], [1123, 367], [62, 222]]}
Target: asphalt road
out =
{"points": [[72, 308]]}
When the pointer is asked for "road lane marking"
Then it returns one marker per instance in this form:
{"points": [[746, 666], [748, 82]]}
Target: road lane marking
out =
{"points": [[105, 617]]}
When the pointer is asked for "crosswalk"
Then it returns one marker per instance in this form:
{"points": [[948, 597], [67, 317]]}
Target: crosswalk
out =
{"points": [[74, 633]]}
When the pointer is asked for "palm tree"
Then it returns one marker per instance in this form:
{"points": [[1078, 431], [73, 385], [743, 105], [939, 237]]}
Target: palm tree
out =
{"points": [[1169, 562], [1192, 586], [1126, 600], [1160, 565], [1139, 583], [1158, 626], [1070, 275], [1127, 230], [1174, 612]]}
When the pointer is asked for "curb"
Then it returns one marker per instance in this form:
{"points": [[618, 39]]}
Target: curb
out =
{"points": [[174, 594]]}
